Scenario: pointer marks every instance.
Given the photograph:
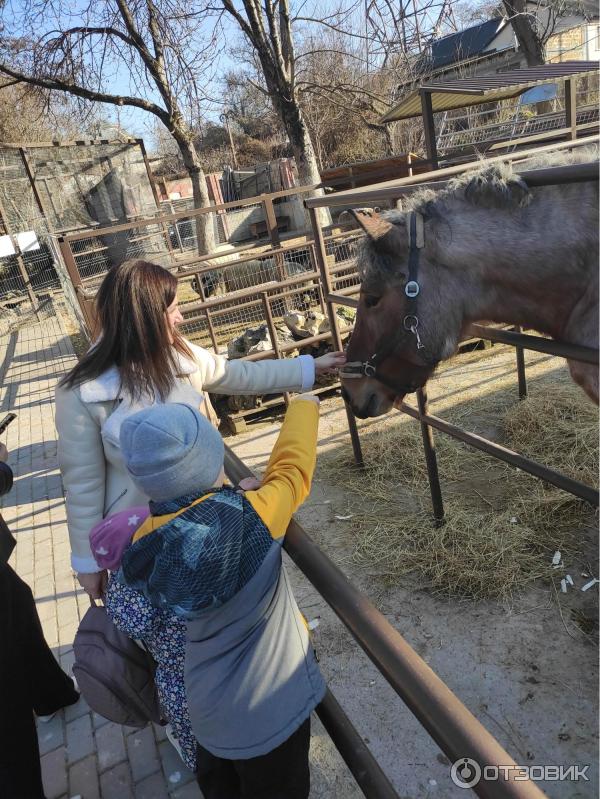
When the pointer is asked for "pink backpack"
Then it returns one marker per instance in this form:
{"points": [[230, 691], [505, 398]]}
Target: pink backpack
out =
{"points": [[111, 537]]}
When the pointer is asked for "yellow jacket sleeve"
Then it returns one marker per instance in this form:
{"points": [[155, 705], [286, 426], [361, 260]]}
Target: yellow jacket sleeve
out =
{"points": [[286, 482]]}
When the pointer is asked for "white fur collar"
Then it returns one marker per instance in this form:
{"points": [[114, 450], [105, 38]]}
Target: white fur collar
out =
{"points": [[107, 386]]}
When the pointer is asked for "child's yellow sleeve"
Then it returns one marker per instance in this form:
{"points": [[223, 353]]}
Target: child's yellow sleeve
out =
{"points": [[287, 480]]}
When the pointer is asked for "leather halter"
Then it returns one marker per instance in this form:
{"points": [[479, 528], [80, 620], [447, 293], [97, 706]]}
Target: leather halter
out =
{"points": [[410, 323]]}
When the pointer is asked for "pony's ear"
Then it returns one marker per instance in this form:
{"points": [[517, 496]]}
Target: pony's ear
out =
{"points": [[386, 236]]}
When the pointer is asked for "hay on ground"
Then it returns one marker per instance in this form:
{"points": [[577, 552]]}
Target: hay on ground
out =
{"points": [[502, 526], [559, 429]]}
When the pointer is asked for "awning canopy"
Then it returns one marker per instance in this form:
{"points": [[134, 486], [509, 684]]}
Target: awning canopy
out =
{"points": [[447, 95]]}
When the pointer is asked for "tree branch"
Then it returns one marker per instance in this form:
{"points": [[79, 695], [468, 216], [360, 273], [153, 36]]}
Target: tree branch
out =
{"points": [[91, 31], [155, 33], [58, 84], [138, 41], [228, 5]]}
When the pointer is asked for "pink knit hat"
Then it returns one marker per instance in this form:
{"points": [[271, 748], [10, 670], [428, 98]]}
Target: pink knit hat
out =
{"points": [[111, 537]]}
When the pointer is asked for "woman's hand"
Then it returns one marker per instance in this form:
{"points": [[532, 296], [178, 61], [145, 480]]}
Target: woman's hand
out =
{"points": [[94, 584], [329, 363]]}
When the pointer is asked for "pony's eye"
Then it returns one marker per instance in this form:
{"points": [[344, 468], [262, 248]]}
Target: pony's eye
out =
{"points": [[371, 300]]}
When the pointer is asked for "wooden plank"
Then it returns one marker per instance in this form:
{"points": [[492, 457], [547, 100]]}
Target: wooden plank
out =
{"points": [[571, 106], [429, 128]]}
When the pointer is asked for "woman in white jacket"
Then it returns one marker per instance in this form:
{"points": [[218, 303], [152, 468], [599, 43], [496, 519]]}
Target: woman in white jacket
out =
{"points": [[140, 358]]}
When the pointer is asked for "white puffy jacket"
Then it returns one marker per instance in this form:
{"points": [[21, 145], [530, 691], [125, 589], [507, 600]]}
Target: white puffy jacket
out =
{"points": [[89, 417]]}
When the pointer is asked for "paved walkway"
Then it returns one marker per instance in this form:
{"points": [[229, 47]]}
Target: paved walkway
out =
{"points": [[82, 753]]}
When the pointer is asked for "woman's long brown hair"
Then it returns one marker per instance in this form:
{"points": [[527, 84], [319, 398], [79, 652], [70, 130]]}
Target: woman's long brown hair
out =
{"points": [[131, 308]]}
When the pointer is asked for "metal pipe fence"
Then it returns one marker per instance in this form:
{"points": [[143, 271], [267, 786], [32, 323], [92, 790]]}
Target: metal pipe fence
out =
{"points": [[420, 703], [171, 238], [541, 177], [454, 728], [393, 189]]}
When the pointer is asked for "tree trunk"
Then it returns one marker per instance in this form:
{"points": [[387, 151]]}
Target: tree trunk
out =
{"points": [[529, 42], [304, 154], [205, 232]]}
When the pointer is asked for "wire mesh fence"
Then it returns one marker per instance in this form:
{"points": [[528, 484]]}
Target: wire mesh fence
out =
{"points": [[340, 254], [26, 264], [259, 299], [171, 238], [96, 253], [235, 224], [47, 189], [221, 301], [19, 207], [511, 119]]}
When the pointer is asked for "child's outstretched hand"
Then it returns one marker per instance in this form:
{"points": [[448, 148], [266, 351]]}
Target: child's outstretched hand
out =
{"points": [[311, 397], [248, 484]]}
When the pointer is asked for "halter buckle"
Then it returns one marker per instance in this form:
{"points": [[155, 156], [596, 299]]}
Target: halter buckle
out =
{"points": [[412, 289]]}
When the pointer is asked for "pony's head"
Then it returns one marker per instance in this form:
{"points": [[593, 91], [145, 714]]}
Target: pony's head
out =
{"points": [[414, 290], [396, 343]]}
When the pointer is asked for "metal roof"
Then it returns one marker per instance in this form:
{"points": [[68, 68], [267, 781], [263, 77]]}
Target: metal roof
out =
{"points": [[464, 44], [447, 95]]}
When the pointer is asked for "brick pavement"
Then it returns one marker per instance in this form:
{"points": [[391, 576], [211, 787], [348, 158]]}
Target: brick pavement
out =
{"points": [[82, 753]]}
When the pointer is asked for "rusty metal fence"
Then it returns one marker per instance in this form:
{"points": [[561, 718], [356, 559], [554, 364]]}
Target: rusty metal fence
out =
{"points": [[171, 238], [391, 194], [452, 726], [224, 294]]}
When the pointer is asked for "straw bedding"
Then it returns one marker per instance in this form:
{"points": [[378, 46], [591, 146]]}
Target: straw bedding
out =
{"points": [[502, 526]]}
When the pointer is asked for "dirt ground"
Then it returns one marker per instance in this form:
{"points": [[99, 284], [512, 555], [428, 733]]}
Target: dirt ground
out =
{"points": [[525, 668]]}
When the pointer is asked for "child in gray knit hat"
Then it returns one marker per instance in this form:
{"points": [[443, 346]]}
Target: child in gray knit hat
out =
{"points": [[203, 585], [172, 450]]}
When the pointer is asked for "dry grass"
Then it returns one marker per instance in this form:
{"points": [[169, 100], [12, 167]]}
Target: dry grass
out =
{"points": [[560, 429], [502, 526]]}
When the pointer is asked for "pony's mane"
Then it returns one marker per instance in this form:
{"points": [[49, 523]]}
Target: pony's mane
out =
{"points": [[489, 186], [494, 185]]}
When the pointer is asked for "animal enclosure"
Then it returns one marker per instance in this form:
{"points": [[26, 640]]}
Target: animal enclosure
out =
{"points": [[50, 189], [392, 193]]}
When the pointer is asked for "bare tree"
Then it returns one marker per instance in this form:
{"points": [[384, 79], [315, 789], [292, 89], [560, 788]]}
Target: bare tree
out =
{"points": [[523, 24], [268, 29], [534, 25], [150, 48]]}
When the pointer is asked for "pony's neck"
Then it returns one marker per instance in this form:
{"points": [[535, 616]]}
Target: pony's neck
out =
{"points": [[524, 285], [514, 300]]}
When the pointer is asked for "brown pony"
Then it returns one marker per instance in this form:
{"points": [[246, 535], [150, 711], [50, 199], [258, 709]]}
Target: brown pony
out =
{"points": [[486, 248]]}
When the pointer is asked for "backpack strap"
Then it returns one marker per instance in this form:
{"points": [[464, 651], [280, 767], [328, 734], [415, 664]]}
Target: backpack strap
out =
{"points": [[152, 523]]}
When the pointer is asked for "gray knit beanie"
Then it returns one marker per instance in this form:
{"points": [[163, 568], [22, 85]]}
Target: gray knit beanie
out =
{"points": [[171, 450]]}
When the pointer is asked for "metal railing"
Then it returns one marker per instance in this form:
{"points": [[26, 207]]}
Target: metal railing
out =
{"points": [[392, 194], [392, 190], [520, 342], [171, 238]]}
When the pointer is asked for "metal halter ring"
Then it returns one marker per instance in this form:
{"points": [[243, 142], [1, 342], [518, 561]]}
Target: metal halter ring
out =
{"points": [[369, 369], [411, 323], [412, 288]]}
